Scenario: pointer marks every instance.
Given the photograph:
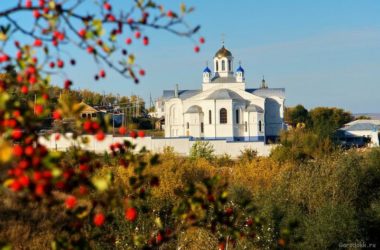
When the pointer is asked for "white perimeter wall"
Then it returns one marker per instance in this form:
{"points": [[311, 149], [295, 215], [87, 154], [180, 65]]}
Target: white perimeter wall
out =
{"points": [[156, 145]]}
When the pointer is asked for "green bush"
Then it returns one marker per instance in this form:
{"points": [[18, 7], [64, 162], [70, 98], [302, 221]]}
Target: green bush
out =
{"points": [[202, 149]]}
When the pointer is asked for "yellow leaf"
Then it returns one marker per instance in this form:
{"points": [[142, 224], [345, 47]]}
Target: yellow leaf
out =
{"points": [[3, 36], [5, 152], [183, 8], [131, 59]]}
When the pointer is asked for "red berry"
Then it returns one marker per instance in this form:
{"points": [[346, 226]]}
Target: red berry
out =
{"points": [[41, 3], [82, 32], [102, 73], [56, 115], [142, 72], [24, 90], [122, 130], [70, 202], [38, 109], [16, 134], [29, 150], [111, 18], [67, 84], [95, 125], [57, 137], [229, 211], [170, 14], [28, 3], [196, 49], [131, 214], [83, 167], [99, 219], [130, 21], [100, 136], [107, 6], [145, 40], [37, 43], [17, 150], [202, 40], [32, 79], [51, 64], [15, 186], [141, 133], [159, 238], [90, 49], [36, 14], [24, 181], [137, 34], [60, 63], [221, 246], [128, 41], [40, 190], [87, 125], [133, 134]]}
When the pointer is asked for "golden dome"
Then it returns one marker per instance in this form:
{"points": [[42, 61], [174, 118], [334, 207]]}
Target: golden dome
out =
{"points": [[223, 52]]}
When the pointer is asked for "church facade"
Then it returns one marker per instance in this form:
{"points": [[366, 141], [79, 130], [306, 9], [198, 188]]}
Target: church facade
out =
{"points": [[224, 108]]}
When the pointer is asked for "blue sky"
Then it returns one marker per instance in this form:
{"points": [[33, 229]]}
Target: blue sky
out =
{"points": [[325, 52]]}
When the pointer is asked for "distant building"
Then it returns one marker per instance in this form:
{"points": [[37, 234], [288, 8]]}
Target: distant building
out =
{"points": [[224, 109], [159, 108], [360, 133], [88, 111]]}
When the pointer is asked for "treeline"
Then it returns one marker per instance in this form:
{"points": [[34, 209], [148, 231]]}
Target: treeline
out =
{"points": [[311, 134]]}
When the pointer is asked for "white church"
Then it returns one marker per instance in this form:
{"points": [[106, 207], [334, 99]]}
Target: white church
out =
{"points": [[224, 108]]}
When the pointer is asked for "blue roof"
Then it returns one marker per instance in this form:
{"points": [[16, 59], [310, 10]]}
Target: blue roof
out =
{"points": [[240, 69], [207, 70]]}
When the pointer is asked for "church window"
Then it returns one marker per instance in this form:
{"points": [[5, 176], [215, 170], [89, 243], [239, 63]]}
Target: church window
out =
{"points": [[217, 66], [223, 65], [246, 126], [223, 116], [229, 65], [237, 116], [209, 117], [187, 125], [260, 126], [202, 127]]}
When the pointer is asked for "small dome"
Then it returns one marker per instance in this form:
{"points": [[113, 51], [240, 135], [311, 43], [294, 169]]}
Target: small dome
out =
{"points": [[207, 70], [240, 69], [194, 110], [223, 52]]}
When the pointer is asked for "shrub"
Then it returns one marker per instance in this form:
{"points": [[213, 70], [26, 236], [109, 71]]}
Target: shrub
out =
{"points": [[202, 149]]}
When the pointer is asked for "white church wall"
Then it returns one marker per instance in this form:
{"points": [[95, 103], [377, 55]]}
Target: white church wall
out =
{"points": [[156, 145]]}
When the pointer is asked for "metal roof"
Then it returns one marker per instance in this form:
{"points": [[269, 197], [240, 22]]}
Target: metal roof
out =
{"points": [[224, 94], [254, 108], [360, 125], [194, 109], [268, 92], [182, 94]]}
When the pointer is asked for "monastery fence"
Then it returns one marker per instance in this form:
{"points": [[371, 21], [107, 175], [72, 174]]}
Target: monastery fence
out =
{"points": [[180, 145]]}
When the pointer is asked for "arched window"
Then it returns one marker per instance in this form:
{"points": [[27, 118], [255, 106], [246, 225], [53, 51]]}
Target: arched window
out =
{"points": [[260, 126], [229, 65], [209, 117], [187, 125], [246, 126], [202, 127], [217, 66], [223, 65], [223, 116], [237, 116]]}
